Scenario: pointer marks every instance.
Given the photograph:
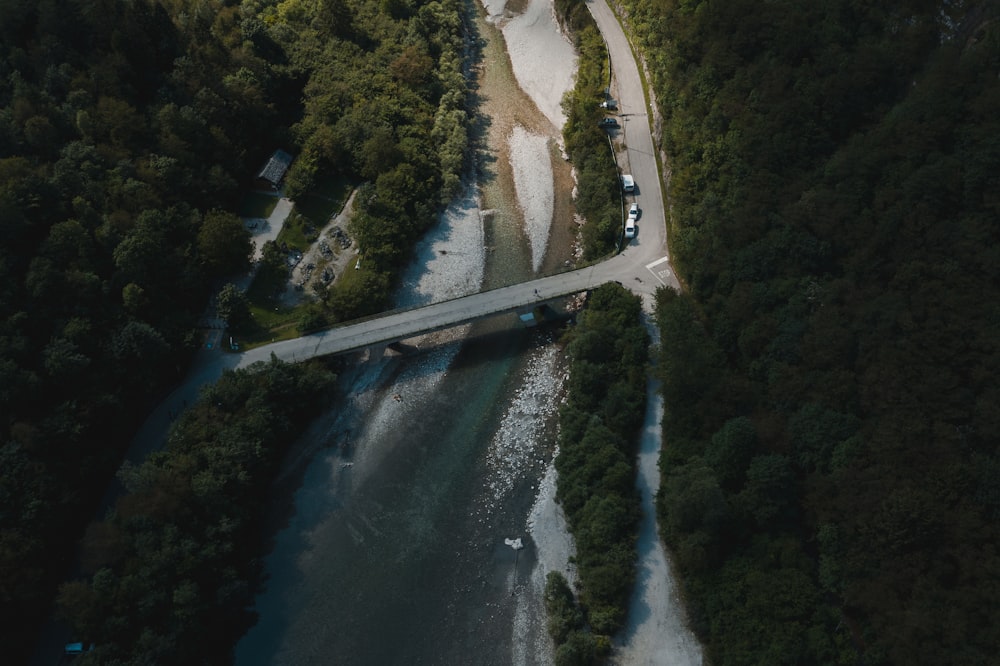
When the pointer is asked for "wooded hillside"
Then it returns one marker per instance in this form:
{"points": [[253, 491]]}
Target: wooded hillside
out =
{"points": [[129, 130], [831, 470], [120, 131]]}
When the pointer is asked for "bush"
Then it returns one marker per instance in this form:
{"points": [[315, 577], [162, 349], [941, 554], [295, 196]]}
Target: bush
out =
{"points": [[560, 605]]}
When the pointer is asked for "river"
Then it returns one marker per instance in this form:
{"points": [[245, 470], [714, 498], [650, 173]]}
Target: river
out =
{"points": [[393, 516]]}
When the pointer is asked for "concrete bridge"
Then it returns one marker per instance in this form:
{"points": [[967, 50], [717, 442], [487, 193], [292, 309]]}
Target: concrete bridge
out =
{"points": [[642, 266], [400, 325]]}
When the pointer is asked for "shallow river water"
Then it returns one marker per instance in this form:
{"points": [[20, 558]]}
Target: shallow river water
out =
{"points": [[395, 551], [392, 519]]}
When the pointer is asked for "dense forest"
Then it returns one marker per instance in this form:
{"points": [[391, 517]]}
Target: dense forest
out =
{"points": [[598, 430], [831, 470], [173, 571], [129, 131]]}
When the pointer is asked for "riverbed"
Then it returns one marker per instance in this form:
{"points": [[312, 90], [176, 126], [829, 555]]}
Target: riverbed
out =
{"points": [[397, 512]]}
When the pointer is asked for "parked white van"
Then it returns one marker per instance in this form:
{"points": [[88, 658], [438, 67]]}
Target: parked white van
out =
{"points": [[627, 183]]}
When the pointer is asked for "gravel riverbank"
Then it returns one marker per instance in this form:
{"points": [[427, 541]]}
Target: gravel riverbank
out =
{"points": [[396, 547]]}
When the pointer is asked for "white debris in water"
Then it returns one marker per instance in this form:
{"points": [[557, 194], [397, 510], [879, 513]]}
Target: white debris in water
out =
{"points": [[547, 527], [532, 167], [554, 548]]}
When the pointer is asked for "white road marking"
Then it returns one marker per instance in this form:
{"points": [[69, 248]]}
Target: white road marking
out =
{"points": [[662, 274]]}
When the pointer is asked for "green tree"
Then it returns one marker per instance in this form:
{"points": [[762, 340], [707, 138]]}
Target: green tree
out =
{"points": [[362, 295], [233, 306], [561, 608], [730, 451], [580, 649], [224, 244], [769, 490]]}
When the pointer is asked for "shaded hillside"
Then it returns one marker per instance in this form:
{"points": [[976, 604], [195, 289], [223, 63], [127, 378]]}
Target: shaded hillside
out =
{"points": [[120, 130], [175, 567], [830, 473], [128, 131]]}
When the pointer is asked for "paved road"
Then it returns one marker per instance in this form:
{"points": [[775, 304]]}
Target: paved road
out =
{"points": [[650, 244], [642, 266]]}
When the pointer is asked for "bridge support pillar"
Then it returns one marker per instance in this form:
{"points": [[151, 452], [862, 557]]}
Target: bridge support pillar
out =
{"points": [[402, 349], [375, 353]]}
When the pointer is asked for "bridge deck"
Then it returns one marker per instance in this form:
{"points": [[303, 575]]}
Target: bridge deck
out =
{"points": [[403, 324]]}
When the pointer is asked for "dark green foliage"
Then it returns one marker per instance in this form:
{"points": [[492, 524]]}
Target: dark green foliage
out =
{"points": [[385, 104], [560, 605], [224, 244], [358, 296], [596, 463], [829, 379], [127, 132], [119, 127], [313, 320], [598, 193], [580, 649], [177, 564], [233, 306], [730, 451]]}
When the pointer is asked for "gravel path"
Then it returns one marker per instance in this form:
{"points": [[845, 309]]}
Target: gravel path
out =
{"points": [[657, 631], [267, 229]]}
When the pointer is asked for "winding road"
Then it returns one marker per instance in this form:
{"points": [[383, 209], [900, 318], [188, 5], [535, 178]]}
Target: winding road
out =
{"points": [[642, 266]]}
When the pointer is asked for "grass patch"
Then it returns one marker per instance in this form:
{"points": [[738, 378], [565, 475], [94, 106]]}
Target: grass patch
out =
{"points": [[270, 324], [257, 204], [312, 211], [272, 320], [298, 232]]}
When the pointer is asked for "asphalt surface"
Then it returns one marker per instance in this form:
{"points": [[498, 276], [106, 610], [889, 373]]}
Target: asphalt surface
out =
{"points": [[642, 266]]}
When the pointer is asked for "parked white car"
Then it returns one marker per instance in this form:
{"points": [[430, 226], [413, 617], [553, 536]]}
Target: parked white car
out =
{"points": [[633, 215]]}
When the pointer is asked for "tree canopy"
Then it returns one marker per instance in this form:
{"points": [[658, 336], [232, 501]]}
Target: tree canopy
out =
{"points": [[128, 132], [830, 403], [174, 569], [599, 425]]}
